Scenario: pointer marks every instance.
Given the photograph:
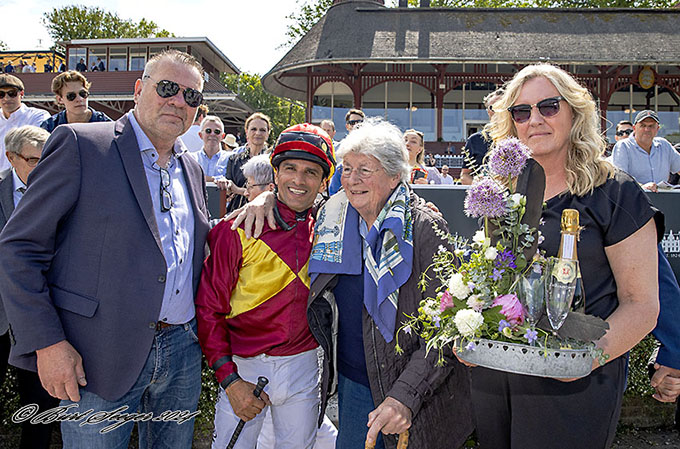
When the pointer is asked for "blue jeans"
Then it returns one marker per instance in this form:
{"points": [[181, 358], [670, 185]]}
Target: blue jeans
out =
{"points": [[355, 402], [169, 382]]}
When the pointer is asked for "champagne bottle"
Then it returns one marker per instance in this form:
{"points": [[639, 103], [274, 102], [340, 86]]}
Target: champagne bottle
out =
{"points": [[569, 230]]}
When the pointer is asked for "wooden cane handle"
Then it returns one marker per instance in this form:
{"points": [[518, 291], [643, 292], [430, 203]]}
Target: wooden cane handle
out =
{"points": [[401, 444], [403, 440]]}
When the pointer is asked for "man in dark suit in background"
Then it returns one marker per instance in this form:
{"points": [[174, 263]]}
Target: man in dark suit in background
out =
{"points": [[23, 145], [99, 289]]}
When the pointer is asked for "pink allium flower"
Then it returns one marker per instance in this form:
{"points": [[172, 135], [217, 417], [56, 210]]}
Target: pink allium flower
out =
{"points": [[446, 301], [511, 308]]}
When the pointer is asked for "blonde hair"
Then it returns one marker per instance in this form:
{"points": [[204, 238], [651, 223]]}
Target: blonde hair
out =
{"points": [[585, 167], [420, 159]]}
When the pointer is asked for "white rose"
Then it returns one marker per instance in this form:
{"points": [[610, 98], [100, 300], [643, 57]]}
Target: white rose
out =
{"points": [[457, 287], [490, 253], [468, 322], [515, 199], [479, 237]]}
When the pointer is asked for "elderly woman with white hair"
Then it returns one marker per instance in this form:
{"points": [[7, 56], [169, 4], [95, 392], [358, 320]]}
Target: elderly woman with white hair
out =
{"points": [[372, 242], [259, 175]]}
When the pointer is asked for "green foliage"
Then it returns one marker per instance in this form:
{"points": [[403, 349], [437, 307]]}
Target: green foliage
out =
{"points": [[3, 46], [308, 12], [206, 402], [638, 375], [84, 22], [282, 112]]}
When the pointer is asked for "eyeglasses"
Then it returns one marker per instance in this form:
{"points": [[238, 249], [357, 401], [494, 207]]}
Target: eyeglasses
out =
{"points": [[10, 94], [72, 95], [249, 186], [167, 89], [624, 132], [355, 122], [363, 172], [547, 108], [166, 196], [217, 131], [31, 161]]}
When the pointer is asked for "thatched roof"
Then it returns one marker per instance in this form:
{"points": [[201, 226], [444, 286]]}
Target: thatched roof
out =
{"points": [[362, 32]]}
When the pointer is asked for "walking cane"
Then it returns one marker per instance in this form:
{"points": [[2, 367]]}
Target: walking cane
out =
{"points": [[261, 382], [401, 444]]}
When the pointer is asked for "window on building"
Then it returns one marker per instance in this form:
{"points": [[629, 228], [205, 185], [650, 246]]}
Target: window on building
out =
{"points": [[137, 58], [117, 59], [74, 56]]}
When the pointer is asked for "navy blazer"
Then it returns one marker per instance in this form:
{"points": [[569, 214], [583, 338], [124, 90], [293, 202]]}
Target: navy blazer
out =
{"points": [[6, 209], [82, 258]]}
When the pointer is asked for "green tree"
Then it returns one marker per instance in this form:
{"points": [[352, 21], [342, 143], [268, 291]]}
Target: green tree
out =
{"points": [[83, 22], [282, 112], [308, 12], [3, 46]]}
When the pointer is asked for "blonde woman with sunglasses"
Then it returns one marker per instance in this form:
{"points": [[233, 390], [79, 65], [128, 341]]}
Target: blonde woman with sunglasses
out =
{"points": [[557, 119]]}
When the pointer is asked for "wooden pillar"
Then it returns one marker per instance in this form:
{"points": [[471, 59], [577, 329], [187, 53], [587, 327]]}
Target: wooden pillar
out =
{"points": [[356, 85], [310, 96], [439, 96]]}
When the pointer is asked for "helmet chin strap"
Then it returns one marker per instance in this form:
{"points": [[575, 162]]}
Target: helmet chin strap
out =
{"points": [[299, 216]]}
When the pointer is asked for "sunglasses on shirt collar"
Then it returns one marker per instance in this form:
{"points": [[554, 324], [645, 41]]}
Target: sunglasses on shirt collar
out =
{"points": [[167, 89]]}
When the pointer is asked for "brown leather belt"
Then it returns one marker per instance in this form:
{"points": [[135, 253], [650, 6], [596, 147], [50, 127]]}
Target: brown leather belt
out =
{"points": [[162, 325]]}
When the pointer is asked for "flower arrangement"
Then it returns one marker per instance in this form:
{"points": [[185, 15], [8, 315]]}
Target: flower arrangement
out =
{"points": [[479, 278]]}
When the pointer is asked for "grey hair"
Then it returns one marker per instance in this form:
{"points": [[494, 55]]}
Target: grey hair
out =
{"points": [[327, 122], [174, 56], [17, 138], [259, 168], [212, 118], [382, 140]]}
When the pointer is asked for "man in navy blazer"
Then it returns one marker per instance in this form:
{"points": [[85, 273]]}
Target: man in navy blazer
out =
{"points": [[100, 263]]}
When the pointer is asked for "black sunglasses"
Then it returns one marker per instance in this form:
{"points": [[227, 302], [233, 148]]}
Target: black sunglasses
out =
{"points": [[216, 131], [625, 132], [355, 122], [167, 89], [72, 95], [547, 108], [166, 196], [10, 94]]}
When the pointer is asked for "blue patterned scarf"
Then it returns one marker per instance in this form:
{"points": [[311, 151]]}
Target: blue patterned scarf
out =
{"points": [[339, 249]]}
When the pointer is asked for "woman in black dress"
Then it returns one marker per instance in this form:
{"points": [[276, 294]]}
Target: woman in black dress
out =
{"points": [[557, 118]]}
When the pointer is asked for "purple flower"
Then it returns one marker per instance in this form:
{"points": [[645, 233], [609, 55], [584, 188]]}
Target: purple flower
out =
{"points": [[497, 274], [502, 324], [471, 346], [508, 157], [485, 199], [506, 258], [531, 335]]}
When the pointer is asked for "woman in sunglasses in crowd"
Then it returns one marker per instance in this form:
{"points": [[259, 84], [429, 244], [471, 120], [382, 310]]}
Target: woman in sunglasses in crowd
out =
{"points": [[557, 119], [72, 90]]}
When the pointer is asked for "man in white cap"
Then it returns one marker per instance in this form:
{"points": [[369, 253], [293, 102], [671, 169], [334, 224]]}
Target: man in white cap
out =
{"points": [[647, 158], [14, 112]]}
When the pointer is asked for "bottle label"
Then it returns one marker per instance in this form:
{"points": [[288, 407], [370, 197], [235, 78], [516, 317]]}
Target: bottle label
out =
{"points": [[568, 242], [565, 271]]}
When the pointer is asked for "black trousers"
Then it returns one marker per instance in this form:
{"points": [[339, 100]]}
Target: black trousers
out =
{"points": [[33, 436], [514, 411]]}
